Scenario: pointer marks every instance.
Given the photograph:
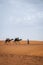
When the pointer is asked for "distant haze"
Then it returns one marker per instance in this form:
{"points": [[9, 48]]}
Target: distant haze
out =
{"points": [[21, 18]]}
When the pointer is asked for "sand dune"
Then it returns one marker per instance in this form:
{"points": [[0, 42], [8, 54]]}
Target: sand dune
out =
{"points": [[21, 53]]}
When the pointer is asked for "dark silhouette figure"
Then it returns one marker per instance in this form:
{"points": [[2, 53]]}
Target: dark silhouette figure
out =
{"points": [[28, 41], [17, 40], [8, 40]]}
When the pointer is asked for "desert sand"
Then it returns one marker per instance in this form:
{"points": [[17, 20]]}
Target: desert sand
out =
{"points": [[21, 53]]}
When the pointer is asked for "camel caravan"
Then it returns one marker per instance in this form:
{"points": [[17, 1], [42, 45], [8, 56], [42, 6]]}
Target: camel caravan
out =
{"points": [[15, 40]]}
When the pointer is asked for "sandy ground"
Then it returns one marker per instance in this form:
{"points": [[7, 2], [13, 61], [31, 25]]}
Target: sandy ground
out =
{"points": [[20, 53]]}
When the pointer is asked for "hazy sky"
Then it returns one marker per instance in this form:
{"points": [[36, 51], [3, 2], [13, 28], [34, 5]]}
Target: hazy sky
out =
{"points": [[21, 18]]}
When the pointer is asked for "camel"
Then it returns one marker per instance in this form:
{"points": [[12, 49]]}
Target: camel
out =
{"points": [[17, 40], [8, 40]]}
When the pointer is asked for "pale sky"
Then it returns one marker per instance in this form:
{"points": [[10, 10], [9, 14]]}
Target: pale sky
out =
{"points": [[21, 18]]}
